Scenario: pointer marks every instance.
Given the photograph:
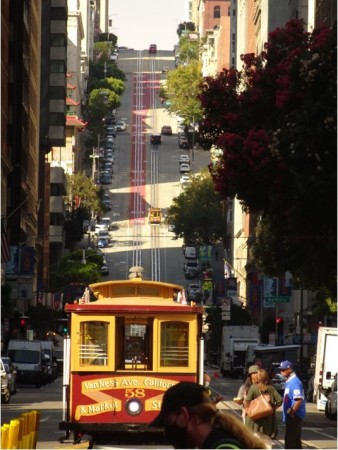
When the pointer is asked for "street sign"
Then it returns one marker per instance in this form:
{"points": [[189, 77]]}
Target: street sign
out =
{"points": [[277, 299], [226, 304]]}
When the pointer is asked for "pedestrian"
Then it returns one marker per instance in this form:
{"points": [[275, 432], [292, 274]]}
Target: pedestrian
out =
{"points": [[244, 387], [294, 409], [191, 420], [266, 425], [207, 380]]}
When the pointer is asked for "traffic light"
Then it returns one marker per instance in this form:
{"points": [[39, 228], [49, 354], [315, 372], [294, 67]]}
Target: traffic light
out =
{"points": [[23, 327], [279, 326]]}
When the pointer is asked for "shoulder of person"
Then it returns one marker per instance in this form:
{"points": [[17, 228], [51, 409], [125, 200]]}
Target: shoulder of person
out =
{"points": [[219, 438], [228, 443]]}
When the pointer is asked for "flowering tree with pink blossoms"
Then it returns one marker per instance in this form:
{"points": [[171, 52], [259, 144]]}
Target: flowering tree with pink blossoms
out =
{"points": [[276, 123]]}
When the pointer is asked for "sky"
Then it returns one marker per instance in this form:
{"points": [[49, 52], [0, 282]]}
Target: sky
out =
{"points": [[137, 24]]}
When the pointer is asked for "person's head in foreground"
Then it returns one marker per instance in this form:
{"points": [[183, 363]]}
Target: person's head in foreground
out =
{"points": [[191, 420]]}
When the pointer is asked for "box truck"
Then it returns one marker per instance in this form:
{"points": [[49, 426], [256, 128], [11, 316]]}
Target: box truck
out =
{"points": [[235, 340], [326, 365], [269, 356]]}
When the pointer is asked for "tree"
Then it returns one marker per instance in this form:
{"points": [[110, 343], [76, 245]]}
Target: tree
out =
{"points": [[275, 121], [183, 89], [184, 27], [108, 37], [83, 192], [197, 212], [83, 197], [189, 50], [72, 270]]}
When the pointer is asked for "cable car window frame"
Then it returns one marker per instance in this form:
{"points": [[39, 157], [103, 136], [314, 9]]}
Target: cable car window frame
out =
{"points": [[101, 360]]}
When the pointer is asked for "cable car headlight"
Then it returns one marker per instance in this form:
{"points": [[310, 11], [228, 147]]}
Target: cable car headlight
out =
{"points": [[134, 407]]}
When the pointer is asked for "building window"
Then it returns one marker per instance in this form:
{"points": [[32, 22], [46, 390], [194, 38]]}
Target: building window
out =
{"points": [[56, 92], [57, 119], [58, 40], [217, 12], [57, 66]]}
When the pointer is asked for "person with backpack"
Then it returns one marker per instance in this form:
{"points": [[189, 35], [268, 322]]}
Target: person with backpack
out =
{"points": [[191, 420]]}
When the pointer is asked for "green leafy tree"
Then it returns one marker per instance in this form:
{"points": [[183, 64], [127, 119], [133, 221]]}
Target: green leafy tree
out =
{"points": [[102, 69], [184, 27], [182, 90], [103, 49], [197, 213], [100, 103], [111, 37], [275, 121], [189, 50], [239, 316], [83, 197], [113, 84], [72, 270], [41, 319], [83, 192]]}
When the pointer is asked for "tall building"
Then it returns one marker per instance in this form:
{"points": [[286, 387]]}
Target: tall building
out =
{"points": [[33, 71]]}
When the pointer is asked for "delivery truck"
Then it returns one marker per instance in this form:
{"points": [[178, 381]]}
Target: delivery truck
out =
{"points": [[235, 340], [326, 365], [270, 356]]}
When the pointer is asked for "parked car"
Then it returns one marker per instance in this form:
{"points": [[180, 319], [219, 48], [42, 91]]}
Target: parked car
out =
{"points": [[102, 243], [11, 370], [331, 403], [106, 222], [184, 159], [105, 178], [108, 167], [183, 142], [48, 349], [184, 168], [103, 233], [155, 139], [191, 269], [120, 125], [152, 48], [5, 393], [194, 292], [166, 130], [107, 204], [105, 269], [110, 130], [184, 180], [277, 379], [59, 360]]}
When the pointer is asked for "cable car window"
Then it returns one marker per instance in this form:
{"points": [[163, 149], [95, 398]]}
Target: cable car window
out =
{"points": [[174, 344], [94, 343], [133, 344]]}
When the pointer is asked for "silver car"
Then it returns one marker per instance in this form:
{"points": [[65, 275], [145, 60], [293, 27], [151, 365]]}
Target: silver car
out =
{"points": [[11, 372], [5, 393]]}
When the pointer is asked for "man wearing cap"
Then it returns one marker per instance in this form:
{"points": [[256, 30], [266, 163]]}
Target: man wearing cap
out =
{"points": [[191, 420], [293, 406]]}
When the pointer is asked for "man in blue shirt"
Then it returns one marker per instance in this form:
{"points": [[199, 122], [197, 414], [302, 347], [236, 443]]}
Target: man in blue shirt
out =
{"points": [[293, 406]]}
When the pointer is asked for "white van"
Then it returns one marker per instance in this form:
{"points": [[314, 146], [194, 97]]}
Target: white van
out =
{"points": [[29, 358], [48, 349]]}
